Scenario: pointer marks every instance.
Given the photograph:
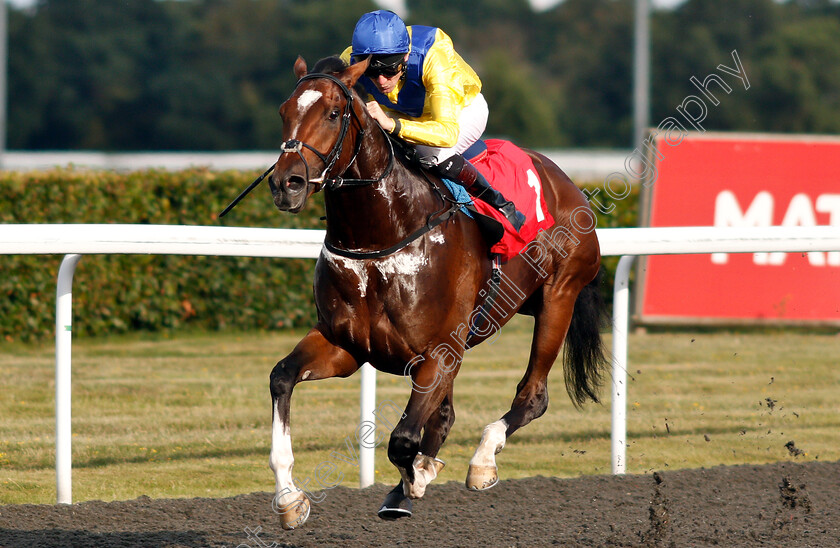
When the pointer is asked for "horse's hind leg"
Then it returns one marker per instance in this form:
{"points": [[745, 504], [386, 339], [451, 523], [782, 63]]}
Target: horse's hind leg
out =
{"points": [[432, 383], [438, 426], [313, 358], [396, 503], [531, 400], [426, 464]]}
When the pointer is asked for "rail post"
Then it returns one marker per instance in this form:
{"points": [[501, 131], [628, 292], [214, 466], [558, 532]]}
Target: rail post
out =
{"points": [[367, 419], [621, 320], [63, 353]]}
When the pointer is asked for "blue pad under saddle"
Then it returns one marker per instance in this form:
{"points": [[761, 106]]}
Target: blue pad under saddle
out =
{"points": [[460, 194]]}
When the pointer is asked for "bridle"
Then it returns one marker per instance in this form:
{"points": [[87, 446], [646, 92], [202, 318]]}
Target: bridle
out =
{"points": [[295, 146]]}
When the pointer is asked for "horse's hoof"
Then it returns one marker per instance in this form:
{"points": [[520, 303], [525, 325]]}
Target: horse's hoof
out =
{"points": [[294, 512], [481, 478], [396, 505]]}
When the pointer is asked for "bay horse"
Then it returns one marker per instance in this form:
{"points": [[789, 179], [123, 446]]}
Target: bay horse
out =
{"points": [[399, 284]]}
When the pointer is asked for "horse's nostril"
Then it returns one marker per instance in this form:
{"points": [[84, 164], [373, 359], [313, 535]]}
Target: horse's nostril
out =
{"points": [[295, 183]]}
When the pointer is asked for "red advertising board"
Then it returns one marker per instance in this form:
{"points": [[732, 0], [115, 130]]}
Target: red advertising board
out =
{"points": [[743, 180]]}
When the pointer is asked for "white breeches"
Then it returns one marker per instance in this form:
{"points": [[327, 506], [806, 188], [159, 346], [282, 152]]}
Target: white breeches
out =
{"points": [[471, 124]]}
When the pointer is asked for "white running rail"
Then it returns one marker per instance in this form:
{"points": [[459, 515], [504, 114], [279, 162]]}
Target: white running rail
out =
{"points": [[75, 240]]}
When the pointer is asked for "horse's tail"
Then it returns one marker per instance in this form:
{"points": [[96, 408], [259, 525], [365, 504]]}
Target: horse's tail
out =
{"points": [[583, 353]]}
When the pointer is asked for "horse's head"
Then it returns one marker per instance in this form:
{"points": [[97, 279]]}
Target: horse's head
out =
{"points": [[321, 120]]}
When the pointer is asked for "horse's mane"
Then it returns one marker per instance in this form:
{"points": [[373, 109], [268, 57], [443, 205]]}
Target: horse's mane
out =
{"points": [[335, 65]]}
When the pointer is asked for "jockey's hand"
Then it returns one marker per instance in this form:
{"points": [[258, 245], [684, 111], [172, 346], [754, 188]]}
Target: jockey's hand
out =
{"points": [[379, 115]]}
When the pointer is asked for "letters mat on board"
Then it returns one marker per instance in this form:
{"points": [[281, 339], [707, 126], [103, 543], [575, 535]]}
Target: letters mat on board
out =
{"points": [[738, 180]]}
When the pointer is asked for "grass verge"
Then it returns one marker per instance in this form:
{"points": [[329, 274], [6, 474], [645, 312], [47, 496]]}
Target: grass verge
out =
{"points": [[190, 415]]}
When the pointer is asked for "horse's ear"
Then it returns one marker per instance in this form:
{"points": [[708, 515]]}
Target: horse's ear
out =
{"points": [[300, 67], [354, 72]]}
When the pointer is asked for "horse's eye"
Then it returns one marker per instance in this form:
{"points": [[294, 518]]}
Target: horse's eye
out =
{"points": [[334, 114]]}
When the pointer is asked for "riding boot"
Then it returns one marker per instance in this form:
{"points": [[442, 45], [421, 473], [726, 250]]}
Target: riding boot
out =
{"points": [[460, 170]]}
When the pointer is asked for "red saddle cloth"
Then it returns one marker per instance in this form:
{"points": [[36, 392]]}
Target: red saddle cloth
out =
{"points": [[510, 170]]}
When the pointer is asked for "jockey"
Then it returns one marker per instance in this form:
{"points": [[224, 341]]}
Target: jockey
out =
{"points": [[431, 98]]}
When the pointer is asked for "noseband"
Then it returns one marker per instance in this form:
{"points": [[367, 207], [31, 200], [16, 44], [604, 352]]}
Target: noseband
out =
{"points": [[294, 146]]}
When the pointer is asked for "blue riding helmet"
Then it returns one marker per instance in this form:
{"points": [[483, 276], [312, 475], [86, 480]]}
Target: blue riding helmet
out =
{"points": [[380, 32]]}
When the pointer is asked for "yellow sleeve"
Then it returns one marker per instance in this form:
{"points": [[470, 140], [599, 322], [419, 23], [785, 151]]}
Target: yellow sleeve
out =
{"points": [[345, 55], [451, 84]]}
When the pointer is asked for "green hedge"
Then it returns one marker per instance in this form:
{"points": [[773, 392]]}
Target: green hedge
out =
{"points": [[624, 215], [120, 293]]}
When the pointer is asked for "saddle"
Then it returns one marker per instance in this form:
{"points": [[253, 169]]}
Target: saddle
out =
{"points": [[511, 171]]}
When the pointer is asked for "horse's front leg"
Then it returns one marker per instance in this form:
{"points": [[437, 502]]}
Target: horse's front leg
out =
{"points": [[313, 358]]}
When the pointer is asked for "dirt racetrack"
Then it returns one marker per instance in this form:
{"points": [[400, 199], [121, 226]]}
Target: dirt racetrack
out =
{"points": [[784, 504]]}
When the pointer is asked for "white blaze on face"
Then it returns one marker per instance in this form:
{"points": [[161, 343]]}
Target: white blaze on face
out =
{"points": [[281, 459], [307, 99]]}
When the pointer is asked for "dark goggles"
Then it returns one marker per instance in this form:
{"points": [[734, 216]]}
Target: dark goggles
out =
{"points": [[388, 67]]}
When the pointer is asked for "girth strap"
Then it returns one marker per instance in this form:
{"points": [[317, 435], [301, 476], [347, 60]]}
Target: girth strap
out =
{"points": [[489, 301], [402, 244]]}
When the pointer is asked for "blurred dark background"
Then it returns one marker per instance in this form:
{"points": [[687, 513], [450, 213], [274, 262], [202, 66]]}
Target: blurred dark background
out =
{"points": [[138, 75]]}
